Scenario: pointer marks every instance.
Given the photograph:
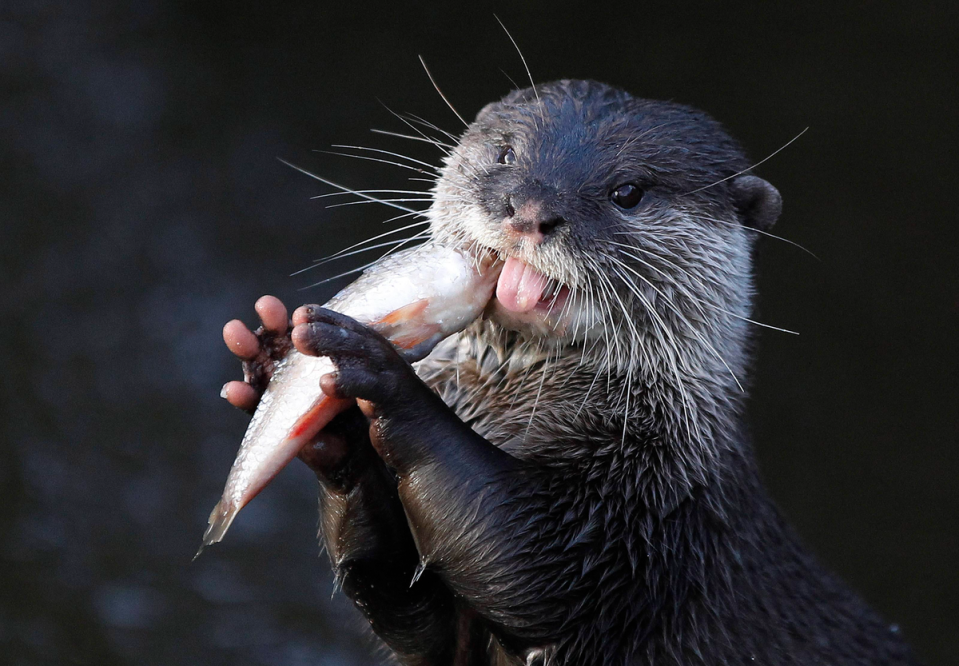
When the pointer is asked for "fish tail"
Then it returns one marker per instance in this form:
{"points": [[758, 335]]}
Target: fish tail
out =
{"points": [[220, 520]]}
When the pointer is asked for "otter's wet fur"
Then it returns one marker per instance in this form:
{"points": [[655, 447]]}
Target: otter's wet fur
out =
{"points": [[628, 525]]}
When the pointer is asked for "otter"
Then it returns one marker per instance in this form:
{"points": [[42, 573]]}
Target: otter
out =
{"points": [[570, 480]]}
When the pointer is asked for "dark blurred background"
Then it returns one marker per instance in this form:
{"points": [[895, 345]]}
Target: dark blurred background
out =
{"points": [[141, 207]]}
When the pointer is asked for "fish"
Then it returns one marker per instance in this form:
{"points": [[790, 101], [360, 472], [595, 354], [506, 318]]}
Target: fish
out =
{"points": [[415, 299]]}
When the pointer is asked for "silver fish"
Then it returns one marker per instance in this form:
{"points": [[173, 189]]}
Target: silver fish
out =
{"points": [[414, 298]]}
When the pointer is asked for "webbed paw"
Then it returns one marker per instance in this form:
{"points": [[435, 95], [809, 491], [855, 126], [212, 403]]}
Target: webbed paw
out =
{"points": [[368, 367]]}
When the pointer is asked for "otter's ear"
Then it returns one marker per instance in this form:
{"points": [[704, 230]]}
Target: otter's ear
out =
{"points": [[758, 201]]}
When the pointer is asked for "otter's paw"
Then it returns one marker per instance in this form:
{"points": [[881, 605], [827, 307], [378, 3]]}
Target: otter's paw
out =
{"points": [[259, 350], [368, 367]]}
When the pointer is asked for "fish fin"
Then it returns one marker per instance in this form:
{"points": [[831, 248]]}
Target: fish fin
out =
{"points": [[417, 345], [410, 340], [404, 314], [220, 520], [400, 327], [317, 416]]}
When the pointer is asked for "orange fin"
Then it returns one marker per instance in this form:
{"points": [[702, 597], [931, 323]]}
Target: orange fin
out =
{"points": [[403, 315], [317, 417], [416, 337], [401, 328]]}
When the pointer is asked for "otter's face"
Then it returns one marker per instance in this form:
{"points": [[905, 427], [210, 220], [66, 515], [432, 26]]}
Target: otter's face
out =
{"points": [[611, 213]]}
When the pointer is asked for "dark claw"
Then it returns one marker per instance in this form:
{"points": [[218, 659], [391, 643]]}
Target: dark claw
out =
{"points": [[357, 383], [315, 313]]}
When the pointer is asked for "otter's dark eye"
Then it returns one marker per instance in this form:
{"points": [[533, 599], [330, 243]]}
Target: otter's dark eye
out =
{"points": [[507, 156], [626, 196]]}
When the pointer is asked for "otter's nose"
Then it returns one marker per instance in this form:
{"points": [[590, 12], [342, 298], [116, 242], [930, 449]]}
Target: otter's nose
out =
{"points": [[530, 219]]}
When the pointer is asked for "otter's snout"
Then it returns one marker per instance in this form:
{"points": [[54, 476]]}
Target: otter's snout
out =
{"points": [[530, 218]]}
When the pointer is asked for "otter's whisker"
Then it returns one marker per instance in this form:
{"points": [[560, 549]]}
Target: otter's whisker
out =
{"points": [[419, 236], [659, 330], [373, 159], [521, 57], [509, 78], [629, 393], [633, 343], [449, 183], [686, 292], [682, 317], [445, 147], [341, 194], [380, 201], [345, 189], [588, 391], [442, 96], [342, 253], [765, 159], [431, 167], [605, 319], [427, 124], [409, 119], [761, 233], [539, 392]]}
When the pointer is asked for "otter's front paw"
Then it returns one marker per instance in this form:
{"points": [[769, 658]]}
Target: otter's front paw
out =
{"points": [[368, 367], [259, 350]]}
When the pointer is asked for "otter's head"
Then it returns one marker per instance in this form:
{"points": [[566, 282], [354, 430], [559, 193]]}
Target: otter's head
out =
{"points": [[620, 220]]}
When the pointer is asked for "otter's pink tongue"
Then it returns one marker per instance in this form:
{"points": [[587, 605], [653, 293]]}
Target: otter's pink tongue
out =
{"points": [[520, 286]]}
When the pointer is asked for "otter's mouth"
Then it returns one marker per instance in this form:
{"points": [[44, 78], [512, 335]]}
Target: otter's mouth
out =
{"points": [[529, 301], [522, 289]]}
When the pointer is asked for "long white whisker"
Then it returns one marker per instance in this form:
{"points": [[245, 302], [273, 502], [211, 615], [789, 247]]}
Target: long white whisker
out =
{"points": [[659, 329], [341, 194], [373, 159], [539, 392], [343, 188], [761, 233], [433, 81], [432, 167], [672, 306], [510, 79], [433, 126], [408, 121], [435, 142], [765, 159], [686, 292], [379, 201], [521, 57], [362, 268], [337, 254], [359, 248]]}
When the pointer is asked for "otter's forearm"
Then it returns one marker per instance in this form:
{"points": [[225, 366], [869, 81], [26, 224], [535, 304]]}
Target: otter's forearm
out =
{"points": [[476, 514], [365, 533]]}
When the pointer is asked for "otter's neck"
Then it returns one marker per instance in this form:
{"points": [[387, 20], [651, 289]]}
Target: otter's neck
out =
{"points": [[582, 410]]}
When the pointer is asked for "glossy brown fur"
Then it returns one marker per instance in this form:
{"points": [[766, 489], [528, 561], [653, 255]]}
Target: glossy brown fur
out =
{"points": [[583, 499]]}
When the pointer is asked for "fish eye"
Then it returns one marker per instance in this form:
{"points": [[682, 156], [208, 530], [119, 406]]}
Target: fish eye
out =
{"points": [[626, 196], [507, 156]]}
